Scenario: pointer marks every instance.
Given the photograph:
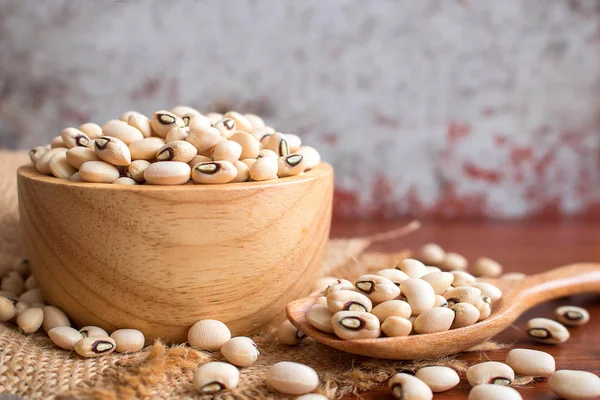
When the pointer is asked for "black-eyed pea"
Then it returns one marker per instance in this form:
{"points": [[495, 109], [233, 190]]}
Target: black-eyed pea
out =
{"points": [[377, 288], [466, 314], [255, 121], [57, 142], [177, 133], [394, 275], [241, 122], [463, 294], [276, 142], [490, 372], [531, 362], [30, 320], [36, 153], [396, 326], [249, 162], [128, 340], [32, 296], [545, 330], [98, 171], [54, 317], [226, 127], [322, 283], [438, 378], [136, 169], [322, 300], [489, 290], [178, 150], [76, 156], [250, 146], [267, 153], [214, 172], [513, 276], [199, 159], [294, 142], [243, 172], [290, 165], [431, 254], [575, 385], [196, 121], [350, 325], [486, 267], [319, 317], [140, 122], [312, 396], [572, 316], [292, 378], [92, 331], [440, 301], [208, 334], [462, 278], [60, 167], [348, 300], [493, 392], [167, 173], [181, 110], [31, 282], [94, 346], [311, 156], [419, 294], [409, 387], [392, 308], [163, 121], [436, 319], [338, 284], [288, 334], [73, 137], [439, 281], [240, 351], [112, 150], [122, 131], [454, 262], [43, 164], [216, 376], [13, 282], [64, 337], [264, 169], [91, 130], [146, 148], [227, 150], [261, 132], [213, 117], [411, 267], [7, 309]]}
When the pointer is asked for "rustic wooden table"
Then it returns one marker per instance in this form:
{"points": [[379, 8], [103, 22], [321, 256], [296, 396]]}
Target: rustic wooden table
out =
{"points": [[529, 247]]}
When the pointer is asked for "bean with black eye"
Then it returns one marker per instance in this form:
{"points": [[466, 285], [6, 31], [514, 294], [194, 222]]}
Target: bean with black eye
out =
{"points": [[291, 165], [490, 372], [163, 121], [348, 300], [377, 288], [572, 316], [350, 325], [547, 331], [214, 172]]}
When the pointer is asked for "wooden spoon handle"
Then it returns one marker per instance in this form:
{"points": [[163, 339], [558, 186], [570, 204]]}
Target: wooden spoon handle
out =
{"points": [[560, 282]]}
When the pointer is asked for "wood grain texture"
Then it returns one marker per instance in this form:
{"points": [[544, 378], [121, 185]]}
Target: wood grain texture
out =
{"points": [[518, 296], [159, 259], [521, 246]]}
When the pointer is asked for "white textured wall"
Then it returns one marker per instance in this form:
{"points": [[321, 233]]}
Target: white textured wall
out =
{"points": [[431, 107]]}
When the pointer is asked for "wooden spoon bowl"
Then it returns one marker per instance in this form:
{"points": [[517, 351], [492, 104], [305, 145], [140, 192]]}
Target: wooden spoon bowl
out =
{"points": [[159, 258], [517, 297]]}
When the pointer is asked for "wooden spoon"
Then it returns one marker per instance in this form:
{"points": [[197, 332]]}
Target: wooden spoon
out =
{"points": [[517, 297]]}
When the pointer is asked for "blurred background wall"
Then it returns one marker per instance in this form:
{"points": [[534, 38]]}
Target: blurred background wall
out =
{"points": [[429, 107]]}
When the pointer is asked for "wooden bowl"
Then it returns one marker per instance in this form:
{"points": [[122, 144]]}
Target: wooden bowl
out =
{"points": [[159, 258]]}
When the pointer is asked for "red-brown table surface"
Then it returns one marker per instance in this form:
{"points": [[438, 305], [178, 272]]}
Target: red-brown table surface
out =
{"points": [[524, 246]]}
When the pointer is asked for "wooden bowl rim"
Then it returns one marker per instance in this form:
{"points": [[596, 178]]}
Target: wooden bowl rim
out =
{"points": [[320, 171]]}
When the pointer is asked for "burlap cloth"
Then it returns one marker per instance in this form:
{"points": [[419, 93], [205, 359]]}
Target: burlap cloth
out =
{"points": [[32, 367]]}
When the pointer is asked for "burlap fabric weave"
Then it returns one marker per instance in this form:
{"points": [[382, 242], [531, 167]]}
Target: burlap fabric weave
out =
{"points": [[30, 366]]}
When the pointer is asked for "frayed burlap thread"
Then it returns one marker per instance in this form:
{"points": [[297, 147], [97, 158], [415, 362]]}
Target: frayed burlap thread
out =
{"points": [[32, 367]]}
